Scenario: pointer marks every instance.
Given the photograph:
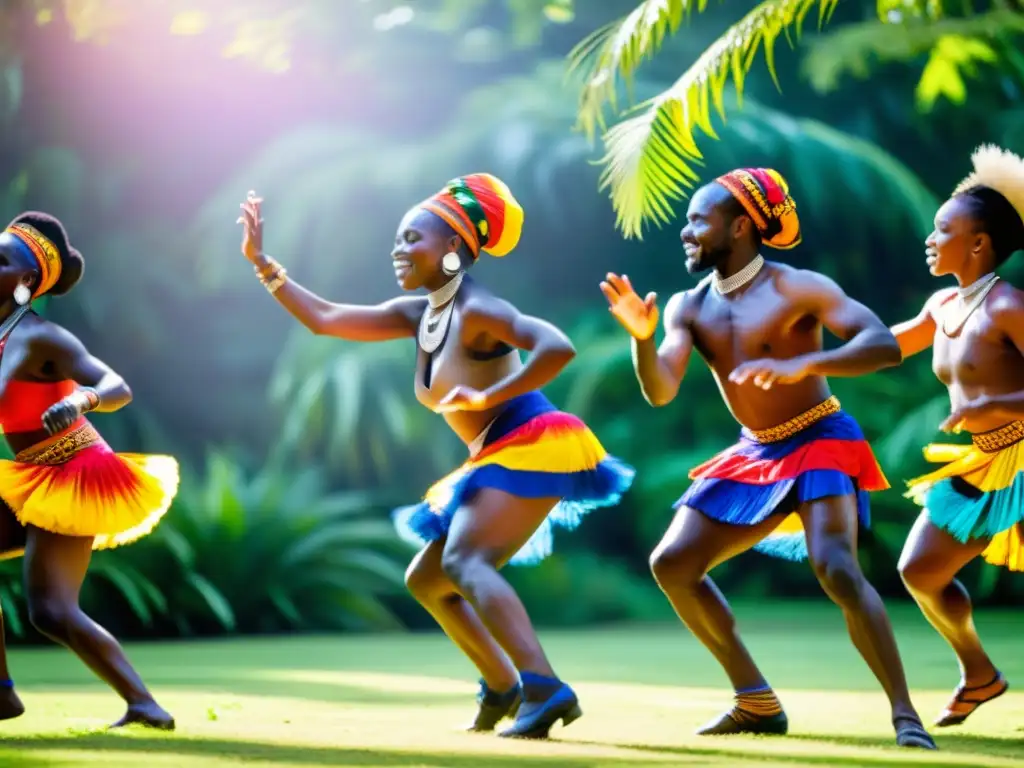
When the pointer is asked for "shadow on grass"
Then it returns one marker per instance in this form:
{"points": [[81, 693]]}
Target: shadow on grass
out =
{"points": [[16, 760], [254, 752], [958, 746], [248, 751], [327, 692]]}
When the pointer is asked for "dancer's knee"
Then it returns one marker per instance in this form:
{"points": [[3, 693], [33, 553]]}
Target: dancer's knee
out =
{"points": [[918, 576], [52, 618], [464, 568], [426, 580], [839, 574], [676, 566]]}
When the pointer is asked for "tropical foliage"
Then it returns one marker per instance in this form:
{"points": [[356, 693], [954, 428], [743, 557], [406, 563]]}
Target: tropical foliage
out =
{"points": [[296, 447], [651, 154], [241, 551]]}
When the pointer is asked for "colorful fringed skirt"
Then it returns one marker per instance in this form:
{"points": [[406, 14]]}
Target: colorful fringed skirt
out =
{"points": [[979, 493], [818, 454], [532, 450], [75, 485]]}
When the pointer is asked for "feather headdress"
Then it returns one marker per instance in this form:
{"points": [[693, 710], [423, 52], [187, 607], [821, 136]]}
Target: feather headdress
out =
{"points": [[997, 169]]}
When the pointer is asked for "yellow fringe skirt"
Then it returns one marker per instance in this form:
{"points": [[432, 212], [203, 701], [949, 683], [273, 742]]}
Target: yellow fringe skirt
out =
{"points": [[75, 485], [979, 493]]}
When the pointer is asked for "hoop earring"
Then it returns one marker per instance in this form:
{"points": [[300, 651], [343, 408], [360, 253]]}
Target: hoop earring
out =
{"points": [[451, 264], [22, 295]]}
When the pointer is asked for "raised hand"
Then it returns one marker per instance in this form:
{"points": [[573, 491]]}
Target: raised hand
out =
{"points": [[252, 228], [638, 316]]}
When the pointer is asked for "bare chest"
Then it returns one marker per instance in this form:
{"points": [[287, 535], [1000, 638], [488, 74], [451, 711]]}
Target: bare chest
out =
{"points": [[452, 365], [978, 354], [760, 323]]}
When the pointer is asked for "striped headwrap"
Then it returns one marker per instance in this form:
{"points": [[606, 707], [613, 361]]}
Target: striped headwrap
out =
{"points": [[44, 252], [482, 211], [764, 195]]}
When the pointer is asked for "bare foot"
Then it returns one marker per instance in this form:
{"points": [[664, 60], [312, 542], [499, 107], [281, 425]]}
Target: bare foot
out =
{"points": [[10, 705], [149, 714]]}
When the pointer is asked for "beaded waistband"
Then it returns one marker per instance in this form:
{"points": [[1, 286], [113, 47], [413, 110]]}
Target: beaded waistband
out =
{"points": [[995, 440], [60, 449], [797, 423]]}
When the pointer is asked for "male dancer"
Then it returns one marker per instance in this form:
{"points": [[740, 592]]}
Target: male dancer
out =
{"points": [[796, 483]]}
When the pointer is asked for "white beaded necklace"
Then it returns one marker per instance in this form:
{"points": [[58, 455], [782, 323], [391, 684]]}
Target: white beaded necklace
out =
{"points": [[729, 284], [435, 321], [968, 300]]}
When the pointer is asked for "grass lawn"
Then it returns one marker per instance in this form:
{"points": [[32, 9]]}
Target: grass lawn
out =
{"points": [[397, 700]]}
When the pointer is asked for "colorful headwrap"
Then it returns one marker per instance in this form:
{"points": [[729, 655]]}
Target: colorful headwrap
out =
{"points": [[1000, 170], [482, 211], [764, 195], [43, 250]]}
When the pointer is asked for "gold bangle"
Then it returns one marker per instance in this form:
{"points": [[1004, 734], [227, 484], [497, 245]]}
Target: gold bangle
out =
{"points": [[268, 270], [277, 273], [271, 277], [274, 285]]}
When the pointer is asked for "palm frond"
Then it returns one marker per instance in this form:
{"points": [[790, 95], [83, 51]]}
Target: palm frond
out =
{"points": [[618, 48], [649, 157]]}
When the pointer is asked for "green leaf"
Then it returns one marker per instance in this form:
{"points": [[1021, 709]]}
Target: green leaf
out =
{"points": [[649, 157], [214, 600], [952, 55]]}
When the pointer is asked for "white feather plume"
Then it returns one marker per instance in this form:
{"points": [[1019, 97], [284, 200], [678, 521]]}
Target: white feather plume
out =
{"points": [[998, 169]]}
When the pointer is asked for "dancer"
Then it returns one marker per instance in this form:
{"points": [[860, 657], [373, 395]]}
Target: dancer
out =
{"points": [[796, 483], [974, 504], [66, 493], [530, 467]]}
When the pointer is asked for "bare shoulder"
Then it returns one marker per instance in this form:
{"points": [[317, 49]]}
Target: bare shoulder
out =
{"points": [[938, 299], [1005, 304], [479, 303], [682, 307], [48, 338], [410, 308], [803, 283]]}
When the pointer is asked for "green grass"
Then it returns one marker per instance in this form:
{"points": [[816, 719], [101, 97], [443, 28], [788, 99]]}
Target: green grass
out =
{"points": [[397, 701]]}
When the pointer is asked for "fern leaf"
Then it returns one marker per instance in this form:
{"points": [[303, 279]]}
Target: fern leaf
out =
{"points": [[649, 157]]}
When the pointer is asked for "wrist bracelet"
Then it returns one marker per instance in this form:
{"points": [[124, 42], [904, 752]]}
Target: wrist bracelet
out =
{"points": [[279, 279]]}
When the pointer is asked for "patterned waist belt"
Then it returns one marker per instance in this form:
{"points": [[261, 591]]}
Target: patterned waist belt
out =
{"points": [[57, 450], [995, 440], [797, 423]]}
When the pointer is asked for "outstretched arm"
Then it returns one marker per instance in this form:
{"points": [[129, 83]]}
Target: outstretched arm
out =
{"points": [[394, 319], [917, 334], [550, 351], [660, 369]]}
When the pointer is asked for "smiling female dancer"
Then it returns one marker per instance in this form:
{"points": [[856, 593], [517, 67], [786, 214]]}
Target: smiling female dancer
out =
{"points": [[530, 466], [974, 504], [66, 493]]}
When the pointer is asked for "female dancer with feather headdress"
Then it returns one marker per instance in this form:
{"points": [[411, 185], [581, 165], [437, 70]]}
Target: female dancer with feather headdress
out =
{"points": [[974, 503]]}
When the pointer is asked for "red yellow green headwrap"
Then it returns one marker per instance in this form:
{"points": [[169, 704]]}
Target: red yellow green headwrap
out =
{"points": [[764, 195], [45, 252], [482, 211]]}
